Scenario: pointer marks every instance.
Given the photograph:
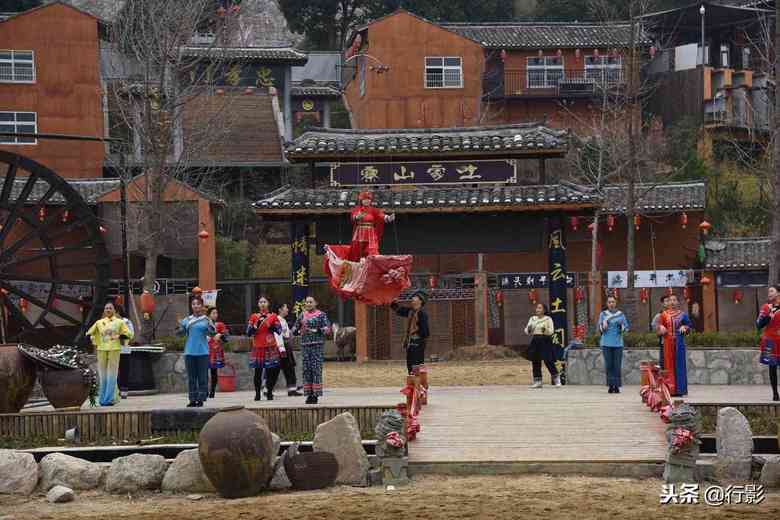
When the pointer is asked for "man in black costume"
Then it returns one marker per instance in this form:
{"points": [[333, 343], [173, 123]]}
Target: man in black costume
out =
{"points": [[417, 330]]}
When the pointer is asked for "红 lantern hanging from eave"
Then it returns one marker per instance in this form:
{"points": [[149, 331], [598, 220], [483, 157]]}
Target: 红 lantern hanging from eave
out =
{"points": [[65, 216], [738, 296], [652, 51], [23, 304], [577, 53], [575, 223], [616, 293], [637, 221], [610, 222], [579, 294], [119, 300], [644, 295], [147, 304], [203, 235], [503, 55], [532, 296], [687, 294], [499, 298], [705, 227], [684, 220], [41, 214], [432, 281], [705, 280]]}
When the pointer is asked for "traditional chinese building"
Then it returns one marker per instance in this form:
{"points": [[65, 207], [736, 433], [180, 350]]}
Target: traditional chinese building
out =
{"points": [[460, 75], [490, 234]]}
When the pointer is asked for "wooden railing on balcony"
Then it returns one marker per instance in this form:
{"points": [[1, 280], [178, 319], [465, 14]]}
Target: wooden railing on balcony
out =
{"points": [[551, 82]]}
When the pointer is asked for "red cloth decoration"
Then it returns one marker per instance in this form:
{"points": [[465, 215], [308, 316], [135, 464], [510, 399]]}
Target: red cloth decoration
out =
{"points": [[374, 280], [395, 440], [666, 413], [681, 437]]}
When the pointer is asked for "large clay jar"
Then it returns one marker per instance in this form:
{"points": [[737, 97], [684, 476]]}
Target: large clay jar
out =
{"points": [[17, 379], [235, 448], [64, 388]]}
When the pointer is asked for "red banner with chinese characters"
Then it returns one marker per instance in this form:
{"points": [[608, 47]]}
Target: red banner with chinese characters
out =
{"points": [[423, 173]]}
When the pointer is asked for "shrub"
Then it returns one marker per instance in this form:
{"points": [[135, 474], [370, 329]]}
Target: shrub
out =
{"points": [[648, 340]]}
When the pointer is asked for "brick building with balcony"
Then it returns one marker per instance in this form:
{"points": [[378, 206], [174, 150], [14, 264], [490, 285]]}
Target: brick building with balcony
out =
{"points": [[403, 71]]}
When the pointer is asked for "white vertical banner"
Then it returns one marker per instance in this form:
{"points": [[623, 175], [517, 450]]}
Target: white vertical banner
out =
{"points": [[210, 298]]}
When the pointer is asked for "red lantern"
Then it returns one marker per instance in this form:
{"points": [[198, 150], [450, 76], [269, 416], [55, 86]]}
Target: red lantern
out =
{"points": [[197, 291], [220, 91], [644, 295], [579, 294], [616, 293], [532, 296], [705, 280], [577, 53], [684, 220], [41, 214], [559, 53], [652, 51], [119, 300], [579, 332], [432, 281], [590, 226], [23, 304], [499, 298], [65, 216], [687, 294], [637, 221], [147, 304], [599, 253], [4, 292], [203, 235], [575, 223], [503, 55], [103, 229], [248, 91], [705, 227], [738, 296], [610, 222]]}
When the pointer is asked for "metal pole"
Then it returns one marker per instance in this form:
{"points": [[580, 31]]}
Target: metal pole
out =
{"points": [[702, 12]]}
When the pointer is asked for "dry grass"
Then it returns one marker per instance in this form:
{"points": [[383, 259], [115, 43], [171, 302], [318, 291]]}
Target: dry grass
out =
{"points": [[452, 373], [489, 497]]}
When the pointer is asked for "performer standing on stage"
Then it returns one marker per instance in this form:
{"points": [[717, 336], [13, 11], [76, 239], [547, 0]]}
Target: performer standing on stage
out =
{"points": [[288, 357], [106, 334], [673, 326], [265, 356], [216, 348], [541, 328], [369, 226], [417, 330], [197, 327], [312, 325], [654, 327], [612, 324], [769, 321]]}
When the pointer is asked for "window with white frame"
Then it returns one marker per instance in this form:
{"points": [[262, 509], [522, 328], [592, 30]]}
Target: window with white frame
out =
{"points": [[604, 70], [544, 71], [443, 72], [17, 66], [18, 123]]}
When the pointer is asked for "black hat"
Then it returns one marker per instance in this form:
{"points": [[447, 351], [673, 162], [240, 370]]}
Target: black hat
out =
{"points": [[422, 295]]}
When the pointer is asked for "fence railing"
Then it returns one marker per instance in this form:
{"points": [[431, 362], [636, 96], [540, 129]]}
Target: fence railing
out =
{"points": [[553, 82]]}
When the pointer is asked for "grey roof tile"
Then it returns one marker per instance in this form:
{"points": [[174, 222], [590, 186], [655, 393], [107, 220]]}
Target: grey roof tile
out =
{"points": [[534, 35], [737, 253], [299, 90], [277, 54], [89, 189], [660, 198], [410, 141]]}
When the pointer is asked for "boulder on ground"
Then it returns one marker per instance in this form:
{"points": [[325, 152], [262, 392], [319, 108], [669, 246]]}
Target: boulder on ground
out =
{"points": [[734, 443], [60, 495], [136, 472], [341, 437], [186, 475], [58, 469], [770, 473], [18, 473]]}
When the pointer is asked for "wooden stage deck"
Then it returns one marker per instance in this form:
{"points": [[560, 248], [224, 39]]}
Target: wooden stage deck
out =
{"points": [[573, 428]]}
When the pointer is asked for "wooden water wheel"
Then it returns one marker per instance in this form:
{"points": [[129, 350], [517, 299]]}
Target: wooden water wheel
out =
{"points": [[54, 265]]}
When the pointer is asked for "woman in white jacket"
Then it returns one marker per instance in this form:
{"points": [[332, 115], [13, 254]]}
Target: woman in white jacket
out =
{"points": [[541, 329]]}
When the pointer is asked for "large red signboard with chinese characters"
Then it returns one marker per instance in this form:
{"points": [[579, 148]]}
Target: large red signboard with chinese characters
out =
{"points": [[423, 173]]}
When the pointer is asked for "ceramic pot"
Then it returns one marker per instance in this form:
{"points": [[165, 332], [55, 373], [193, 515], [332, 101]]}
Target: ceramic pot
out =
{"points": [[17, 379], [236, 452], [64, 388]]}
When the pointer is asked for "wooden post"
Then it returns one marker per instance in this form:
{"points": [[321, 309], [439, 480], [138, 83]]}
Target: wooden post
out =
{"points": [[710, 303], [481, 309], [207, 249], [361, 324], [598, 294]]}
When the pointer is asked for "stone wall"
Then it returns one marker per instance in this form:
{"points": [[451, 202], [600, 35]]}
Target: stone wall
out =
{"points": [[705, 367], [170, 373]]}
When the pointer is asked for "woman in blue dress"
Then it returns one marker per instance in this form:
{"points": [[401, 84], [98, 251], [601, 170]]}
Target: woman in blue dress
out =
{"points": [[612, 324], [197, 327]]}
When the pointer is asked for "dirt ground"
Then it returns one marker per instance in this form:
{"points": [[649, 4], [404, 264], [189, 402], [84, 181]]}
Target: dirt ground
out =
{"points": [[533, 497], [515, 371]]}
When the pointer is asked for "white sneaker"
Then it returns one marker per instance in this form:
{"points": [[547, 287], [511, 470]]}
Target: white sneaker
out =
{"points": [[557, 381], [537, 384]]}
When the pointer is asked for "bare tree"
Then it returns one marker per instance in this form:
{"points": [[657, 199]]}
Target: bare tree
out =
{"points": [[774, 261], [169, 106]]}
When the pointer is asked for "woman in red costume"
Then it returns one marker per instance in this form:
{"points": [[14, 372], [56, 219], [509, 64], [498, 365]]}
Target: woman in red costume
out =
{"points": [[769, 321], [265, 355], [369, 226]]}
